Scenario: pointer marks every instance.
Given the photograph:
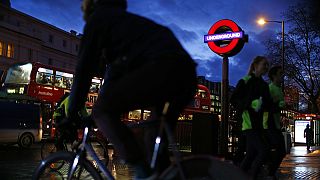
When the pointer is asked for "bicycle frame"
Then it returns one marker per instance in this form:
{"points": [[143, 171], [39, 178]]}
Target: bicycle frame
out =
{"points": [[164, 128], [87, 146]]}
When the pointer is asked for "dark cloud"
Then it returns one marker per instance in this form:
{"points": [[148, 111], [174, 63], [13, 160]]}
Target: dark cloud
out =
{"points": [[182, 34], [188, 19], [266, 35], [211, 69]]}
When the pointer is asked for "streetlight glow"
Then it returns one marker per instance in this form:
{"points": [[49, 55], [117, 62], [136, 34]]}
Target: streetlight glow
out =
{"points": [[261, 21]]}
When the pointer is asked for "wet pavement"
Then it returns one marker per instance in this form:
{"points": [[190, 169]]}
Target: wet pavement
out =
{"points": [[301, 164], [16, 163]]}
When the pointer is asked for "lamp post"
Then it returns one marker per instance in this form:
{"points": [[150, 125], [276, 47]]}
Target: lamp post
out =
{"points": [[262, 21]]}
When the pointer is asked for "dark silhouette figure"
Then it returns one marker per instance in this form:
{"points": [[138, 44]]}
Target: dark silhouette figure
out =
{"points": [[308, 134], [252, 98], [274, 134], [143, 64]]}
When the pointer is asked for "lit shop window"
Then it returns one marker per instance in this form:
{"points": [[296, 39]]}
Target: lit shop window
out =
{"points": [[1, 48], [10, 51]]}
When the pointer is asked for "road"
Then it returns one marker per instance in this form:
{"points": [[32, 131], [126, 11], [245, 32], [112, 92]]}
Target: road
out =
{"points": [[19, 164]]}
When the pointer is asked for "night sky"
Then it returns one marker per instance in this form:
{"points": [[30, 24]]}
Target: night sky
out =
{"points": [[190, 20]]}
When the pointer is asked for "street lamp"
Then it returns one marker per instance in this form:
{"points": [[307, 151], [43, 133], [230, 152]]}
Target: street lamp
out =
{"points": [[261, 22]]}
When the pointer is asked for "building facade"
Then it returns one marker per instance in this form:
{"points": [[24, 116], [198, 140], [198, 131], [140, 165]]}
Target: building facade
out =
{"points": [[24, 38]]}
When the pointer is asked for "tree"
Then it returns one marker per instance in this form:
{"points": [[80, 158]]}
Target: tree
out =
{"points": [[302, 54], [314, 8]]}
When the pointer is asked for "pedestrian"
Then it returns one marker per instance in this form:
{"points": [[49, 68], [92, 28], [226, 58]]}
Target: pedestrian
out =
{"points": [[252, 98], [144, 65], [308, 134], [273, 131]]}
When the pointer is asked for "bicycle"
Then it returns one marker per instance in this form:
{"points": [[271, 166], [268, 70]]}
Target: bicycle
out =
{"points": [[191, 167], [51, 146]]}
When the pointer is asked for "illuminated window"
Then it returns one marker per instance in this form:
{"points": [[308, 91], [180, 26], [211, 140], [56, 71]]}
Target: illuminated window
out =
{"points": [[95, 85], [44, 76], [63, 80], [136, 114], [1, 48], [10, 51]]}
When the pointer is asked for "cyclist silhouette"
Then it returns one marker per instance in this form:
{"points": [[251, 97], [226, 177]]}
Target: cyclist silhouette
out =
{"points": [[143, 65], [65, 133]]}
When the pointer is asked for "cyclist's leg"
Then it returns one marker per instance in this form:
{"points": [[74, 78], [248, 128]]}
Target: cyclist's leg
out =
{"points": [[163, 159], [145, 87], [150, 134], [122, 138]]}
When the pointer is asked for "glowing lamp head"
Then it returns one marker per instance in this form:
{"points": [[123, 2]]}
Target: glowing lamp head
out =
{"points": [[261, 21]]}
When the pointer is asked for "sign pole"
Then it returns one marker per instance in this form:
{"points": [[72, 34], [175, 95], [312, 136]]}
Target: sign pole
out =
{"points": [[225, 107], [226, 39]]}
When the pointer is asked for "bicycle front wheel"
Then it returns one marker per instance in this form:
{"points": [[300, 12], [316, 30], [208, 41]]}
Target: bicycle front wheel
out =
{"points": [[47, 148], [85, 169], [204, 167]]}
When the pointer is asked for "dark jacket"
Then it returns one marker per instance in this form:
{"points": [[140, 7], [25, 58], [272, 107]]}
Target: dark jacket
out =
{"points": [[248, 89], [122, 41]]}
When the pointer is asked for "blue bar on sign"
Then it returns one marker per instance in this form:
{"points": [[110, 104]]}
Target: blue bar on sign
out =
{"points": [[223, 36]]}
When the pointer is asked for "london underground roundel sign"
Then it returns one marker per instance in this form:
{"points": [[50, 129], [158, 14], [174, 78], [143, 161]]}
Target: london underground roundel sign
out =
{"points": [[225, 38]]}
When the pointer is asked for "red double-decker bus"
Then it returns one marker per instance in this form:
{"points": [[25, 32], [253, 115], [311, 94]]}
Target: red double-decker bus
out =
{"points": [[45, 83], [199, 104]]}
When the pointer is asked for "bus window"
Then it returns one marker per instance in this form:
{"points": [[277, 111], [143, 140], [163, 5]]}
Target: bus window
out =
{"points": [[44, 76], [19, 74], [202, 94], [63, 80], [95, 85]]}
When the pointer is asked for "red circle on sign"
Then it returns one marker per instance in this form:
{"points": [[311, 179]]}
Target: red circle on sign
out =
{"points": [[223, 23]]}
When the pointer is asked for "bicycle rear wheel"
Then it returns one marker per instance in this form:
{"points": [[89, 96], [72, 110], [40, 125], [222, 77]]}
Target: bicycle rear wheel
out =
{"points": [[85, 169], [204, 167]]}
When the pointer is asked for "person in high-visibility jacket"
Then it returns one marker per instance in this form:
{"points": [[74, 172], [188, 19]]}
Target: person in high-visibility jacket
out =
{"points": [[61, 112], [252, 98], [274, 133]]}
